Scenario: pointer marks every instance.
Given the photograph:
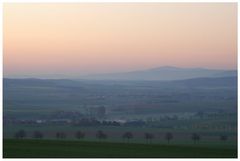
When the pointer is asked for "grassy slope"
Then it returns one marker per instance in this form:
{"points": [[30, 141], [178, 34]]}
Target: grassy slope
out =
{"points": [[55, 148]]}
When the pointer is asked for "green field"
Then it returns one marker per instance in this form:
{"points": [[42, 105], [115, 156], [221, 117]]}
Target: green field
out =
{"points": [[28, 148]]}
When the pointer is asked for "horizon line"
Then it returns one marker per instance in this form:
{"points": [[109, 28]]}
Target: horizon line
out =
{"points": [[65, 77]]}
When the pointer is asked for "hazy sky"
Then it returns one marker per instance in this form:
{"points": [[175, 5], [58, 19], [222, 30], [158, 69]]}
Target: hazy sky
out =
{"points": [[69, 40]]}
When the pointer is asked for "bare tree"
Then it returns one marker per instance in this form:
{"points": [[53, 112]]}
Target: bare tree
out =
{"points": [[127, 135], [20, 134], [80, 135], [195, 137], [148, 136], [37, 135], [223, 137], [100, 135], [169, 137], [61, 135]]}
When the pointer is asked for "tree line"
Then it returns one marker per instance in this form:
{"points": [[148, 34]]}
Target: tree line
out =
{"points": [[103, 136]]}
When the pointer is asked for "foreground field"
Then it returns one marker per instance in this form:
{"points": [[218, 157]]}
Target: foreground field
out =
{"points": [[56, 149]]}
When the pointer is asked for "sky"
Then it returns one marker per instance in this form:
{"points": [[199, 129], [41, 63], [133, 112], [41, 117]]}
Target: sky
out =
{"points": [[68, 40]]}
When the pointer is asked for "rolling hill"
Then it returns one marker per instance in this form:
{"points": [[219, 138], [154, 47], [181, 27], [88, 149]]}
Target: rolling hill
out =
{"points": [[164, 73]]}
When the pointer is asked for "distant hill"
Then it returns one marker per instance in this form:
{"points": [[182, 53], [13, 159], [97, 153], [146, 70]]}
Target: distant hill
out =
{"points": [[230, 81], [206, 82], [36, 82], [164, 73]]}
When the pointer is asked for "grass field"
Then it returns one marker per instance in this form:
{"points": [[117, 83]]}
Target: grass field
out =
{"points": [[28, 148]]}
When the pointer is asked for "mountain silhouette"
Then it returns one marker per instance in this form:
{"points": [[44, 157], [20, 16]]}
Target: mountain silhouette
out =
{"points": [[164, 73]]}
